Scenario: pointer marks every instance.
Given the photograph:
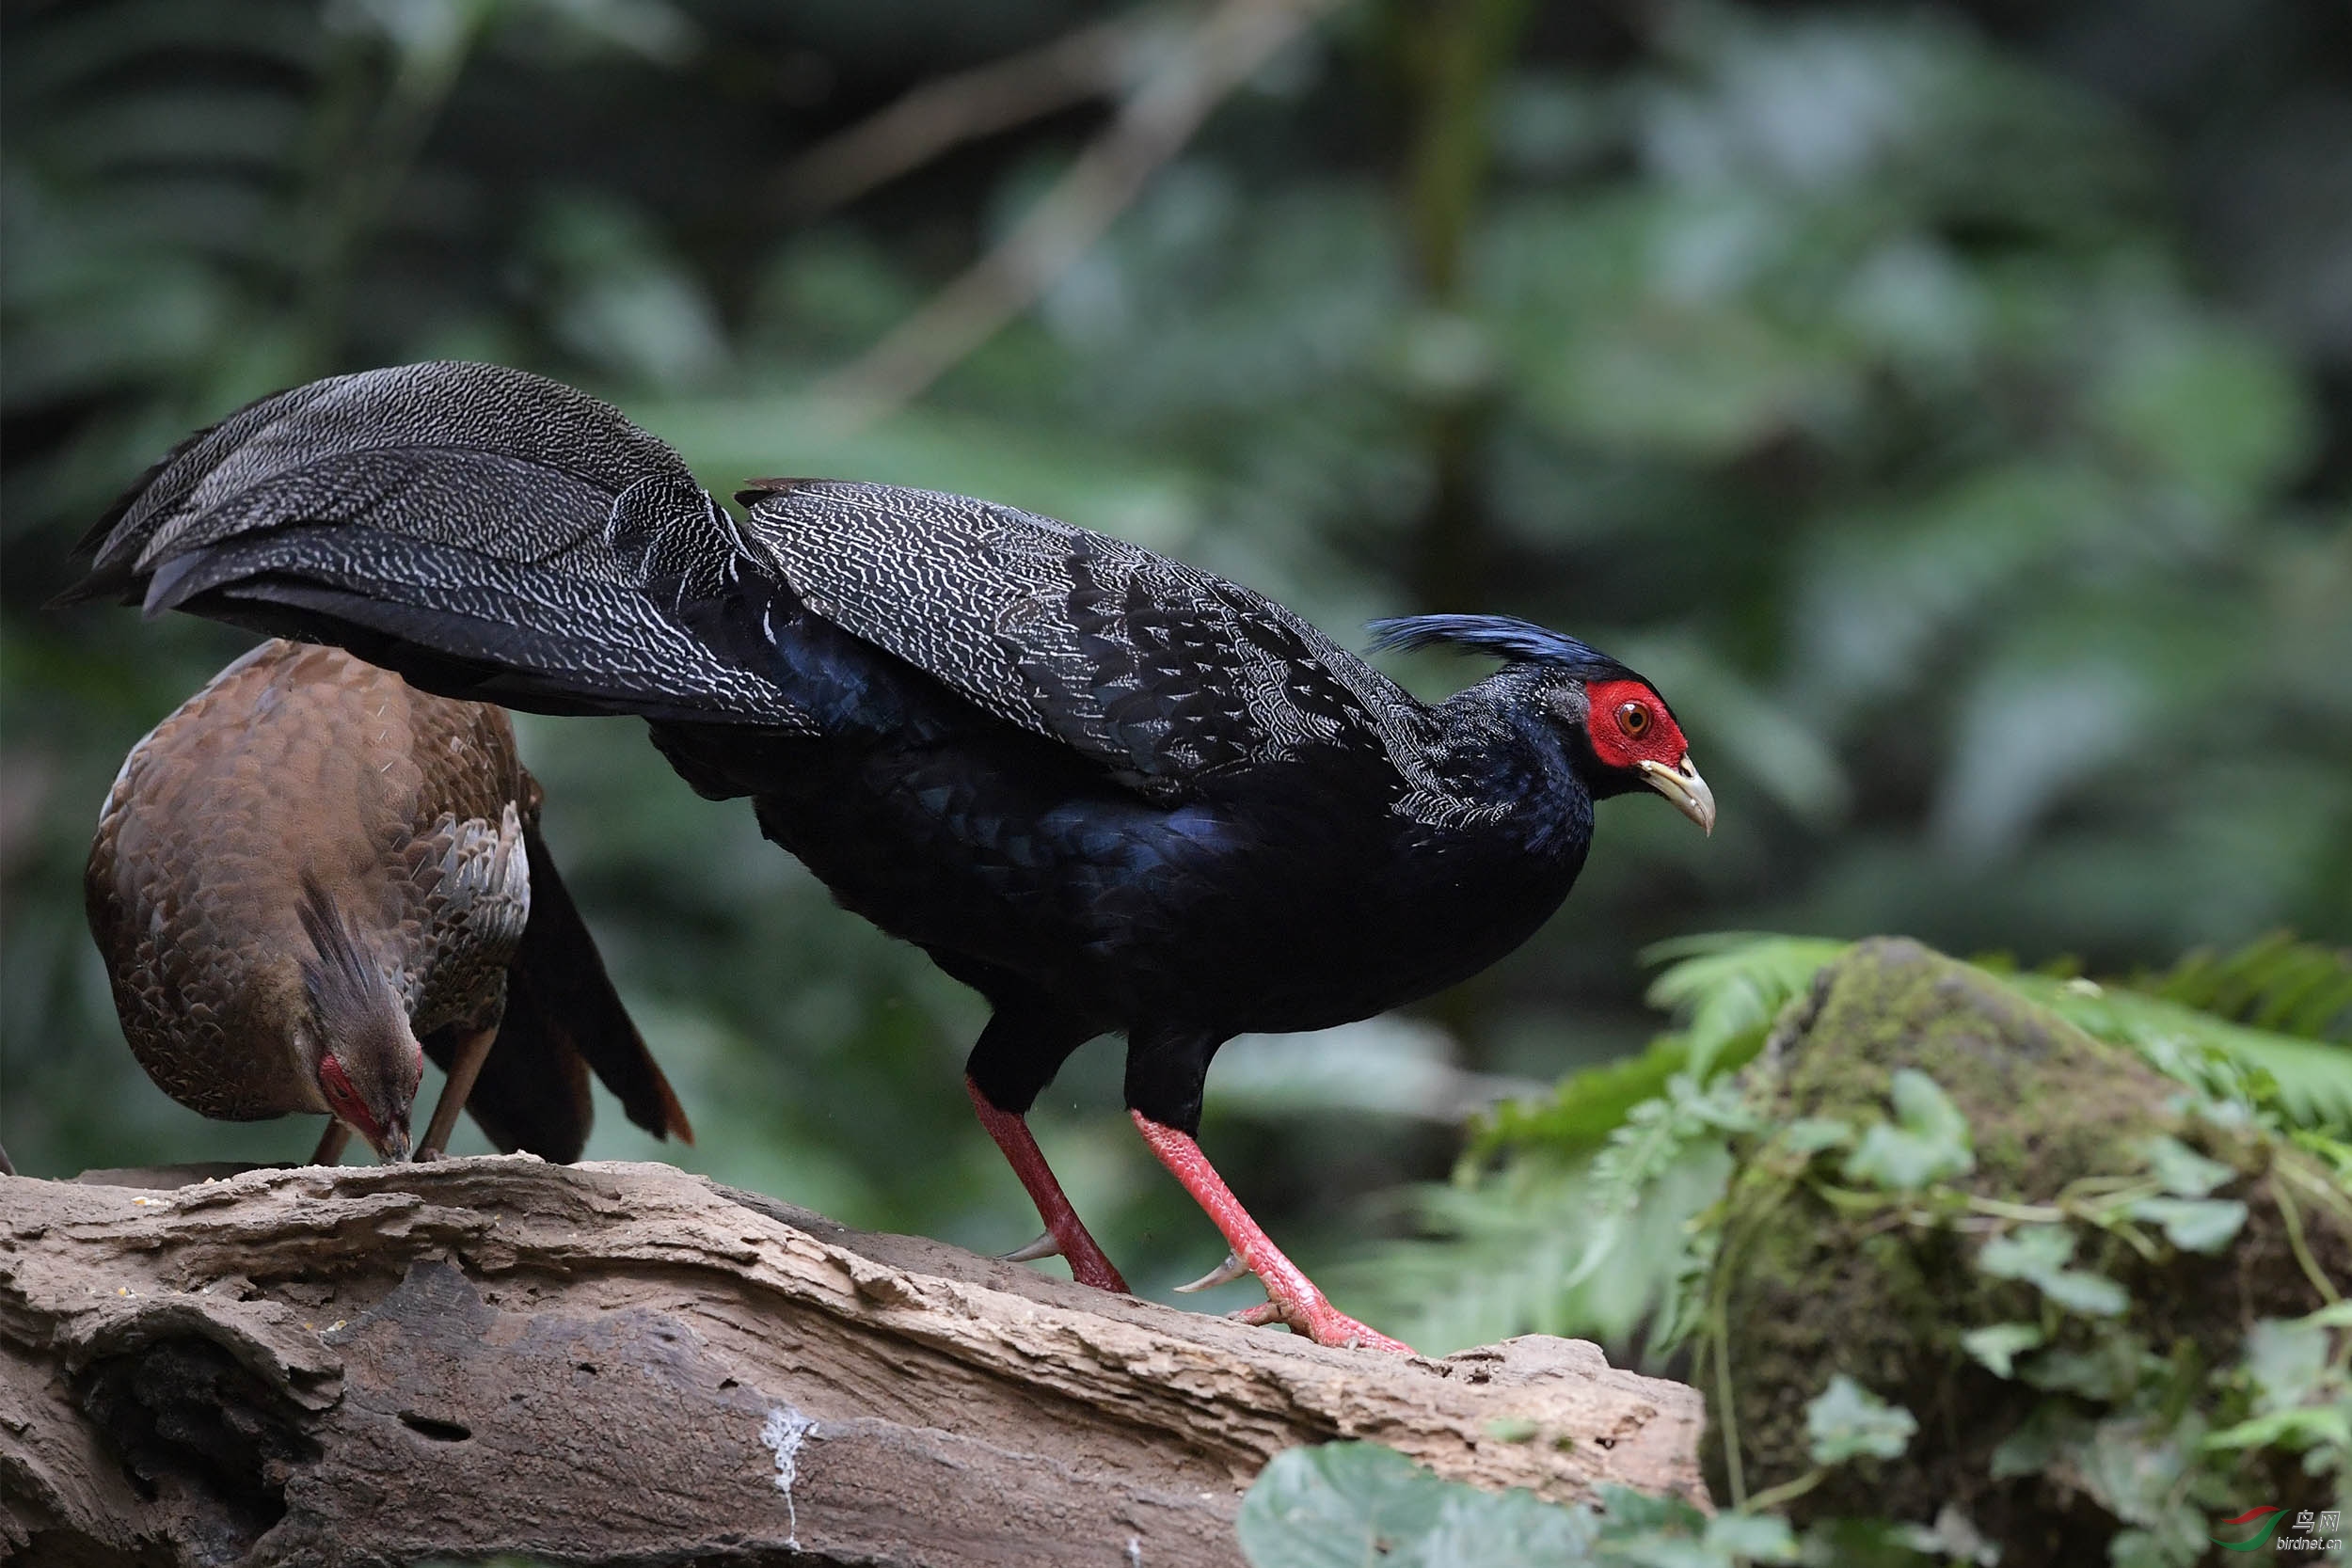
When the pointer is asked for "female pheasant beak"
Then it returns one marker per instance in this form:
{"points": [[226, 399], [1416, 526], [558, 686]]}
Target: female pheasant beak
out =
{"points": [[391, 1144], [1685, 788], [371, 1093]]}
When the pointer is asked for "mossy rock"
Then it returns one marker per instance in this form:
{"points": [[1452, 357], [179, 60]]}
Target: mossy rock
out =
{"points": [[1813, 1278]]}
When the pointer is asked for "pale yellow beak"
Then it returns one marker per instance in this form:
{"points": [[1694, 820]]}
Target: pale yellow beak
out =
{"points": [[1685, 788]]}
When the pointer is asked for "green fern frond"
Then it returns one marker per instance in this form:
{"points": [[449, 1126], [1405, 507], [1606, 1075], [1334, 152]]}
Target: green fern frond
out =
{"points": [[1725, 987], [2310, 1080], [2278, 1010], [2276, 1007], [2276, 984], [1580, 1115]]}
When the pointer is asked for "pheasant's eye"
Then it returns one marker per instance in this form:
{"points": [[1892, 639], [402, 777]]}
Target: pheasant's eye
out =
{"points": [[1633, 719], [339, 1094]]}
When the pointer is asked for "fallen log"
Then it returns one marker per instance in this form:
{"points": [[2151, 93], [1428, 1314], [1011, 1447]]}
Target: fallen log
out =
{"points": [[624, 1363]]}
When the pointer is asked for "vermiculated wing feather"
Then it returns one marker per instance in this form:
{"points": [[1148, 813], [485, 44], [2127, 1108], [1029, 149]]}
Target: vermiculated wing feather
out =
{"points": [[1161, 672], [508, 432], [488, 532]]}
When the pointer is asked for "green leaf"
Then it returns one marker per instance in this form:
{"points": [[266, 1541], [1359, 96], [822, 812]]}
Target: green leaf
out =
{"points": [[1921, 1105], [2140, 1549], [1667, 1532], [1657, 1134], [2182, 1171], [1997, 1346], [1624, 1512], [1928, 1140], [1847, 1421], [1343, 1505], [2039, 1254], [1812, 1134], [2029, 1252], [2107, 1372], [1953, 1539], [2194, 1225], [2093, 1295], [1338, 1504], [1904, 1162], [2051, 1433], [2308, 1427], [2286, 1358], [1510, 1529], [1754, 1537], [2135, 1465]]}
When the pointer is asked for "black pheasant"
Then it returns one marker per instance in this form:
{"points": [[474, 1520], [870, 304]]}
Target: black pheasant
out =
{"points": [[1111, 792]]}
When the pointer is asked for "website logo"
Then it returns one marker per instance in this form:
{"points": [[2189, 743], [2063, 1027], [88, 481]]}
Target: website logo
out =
{"points": [[2268, 1517], [2311, 1532]]}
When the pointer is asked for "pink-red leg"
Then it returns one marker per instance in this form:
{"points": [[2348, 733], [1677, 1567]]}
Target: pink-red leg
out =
{"points": [[1088, 1263], [1291, 1297], [471, 1051]]}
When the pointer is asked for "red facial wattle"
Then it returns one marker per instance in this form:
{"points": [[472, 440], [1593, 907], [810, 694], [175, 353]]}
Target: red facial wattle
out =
{"points": [[345, 1100], [1631, 731], [1629, 724]]}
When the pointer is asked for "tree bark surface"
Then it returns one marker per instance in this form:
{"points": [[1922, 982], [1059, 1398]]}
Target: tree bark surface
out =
{"points": [[624, 1363]]}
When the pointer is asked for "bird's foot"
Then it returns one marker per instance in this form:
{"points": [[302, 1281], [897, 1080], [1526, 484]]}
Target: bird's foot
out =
{"points": [[1321, 1322], [1291, 1298], [1310, 1314]]}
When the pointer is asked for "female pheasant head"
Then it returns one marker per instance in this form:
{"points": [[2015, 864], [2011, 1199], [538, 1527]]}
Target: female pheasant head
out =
{"points": [[356, 1043]]}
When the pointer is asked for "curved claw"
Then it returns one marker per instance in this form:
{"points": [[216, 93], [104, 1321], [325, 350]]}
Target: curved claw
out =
{"points": [[1224, 1274], [1045, 1246]]}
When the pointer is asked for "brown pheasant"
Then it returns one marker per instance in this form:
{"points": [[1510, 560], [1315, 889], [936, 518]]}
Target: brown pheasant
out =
{"points": [[312, 875]]}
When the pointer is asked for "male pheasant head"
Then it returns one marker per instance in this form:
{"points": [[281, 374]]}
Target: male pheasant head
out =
{"points": [[1623, 734], [356, 1041]]}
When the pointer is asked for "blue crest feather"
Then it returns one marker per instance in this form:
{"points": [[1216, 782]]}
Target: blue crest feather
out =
{"points": [[1503, 636]]}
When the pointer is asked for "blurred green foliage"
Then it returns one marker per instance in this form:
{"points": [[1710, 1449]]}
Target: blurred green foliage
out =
{"points": [[1949, 407], [1579, 1210], [1343, 1504], [1602, 1218]]}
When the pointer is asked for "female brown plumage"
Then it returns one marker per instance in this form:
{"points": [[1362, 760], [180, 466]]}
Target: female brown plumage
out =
{"points": [[312, 875]]}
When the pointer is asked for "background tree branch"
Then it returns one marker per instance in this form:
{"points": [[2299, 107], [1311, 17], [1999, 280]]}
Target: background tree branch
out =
{"points": [[1164, 112], [1092, 61]]}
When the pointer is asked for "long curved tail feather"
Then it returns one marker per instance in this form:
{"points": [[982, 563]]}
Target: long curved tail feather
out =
{"points": [[489, 533]]}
